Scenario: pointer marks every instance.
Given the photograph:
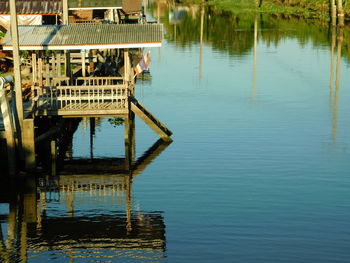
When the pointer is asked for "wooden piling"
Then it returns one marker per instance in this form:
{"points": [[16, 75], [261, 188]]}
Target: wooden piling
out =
{"points": [[16, 62], [129, 140], [65, 12], [28, 144], [83, 63], [9, 133]]}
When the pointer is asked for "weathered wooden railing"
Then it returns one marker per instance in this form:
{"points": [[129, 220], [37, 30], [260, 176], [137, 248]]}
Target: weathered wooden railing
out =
{"points": [[99, 81], [97, 95], [85, 21]]}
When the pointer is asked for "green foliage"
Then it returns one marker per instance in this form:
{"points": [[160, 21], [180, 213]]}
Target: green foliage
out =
{"points": [[117, 121], [24, 53], [313, 9], [233, 32]]}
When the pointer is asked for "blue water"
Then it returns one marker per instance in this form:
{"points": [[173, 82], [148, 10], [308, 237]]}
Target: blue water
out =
{"points": [[258, 170]]}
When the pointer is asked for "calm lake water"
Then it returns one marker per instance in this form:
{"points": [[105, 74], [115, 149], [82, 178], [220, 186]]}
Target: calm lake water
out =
{"points": [[258, 170]]}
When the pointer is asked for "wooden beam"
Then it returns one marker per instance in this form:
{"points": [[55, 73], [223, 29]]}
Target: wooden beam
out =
{"points": [[16, 61], [145, 115]]}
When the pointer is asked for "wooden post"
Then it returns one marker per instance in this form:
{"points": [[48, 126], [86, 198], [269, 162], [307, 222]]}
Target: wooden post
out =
{"points": [[92, 134], [83, 63], [40, 71], [59, 73], [127, 144], [10, 133], [28, 143], [91, 62], [34, 68], [127, 71], [129, 140], [68, 67], [65, 12], [16, 62]]}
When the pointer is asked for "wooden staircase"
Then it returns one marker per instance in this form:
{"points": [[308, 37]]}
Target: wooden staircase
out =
{"points": [[158, 127]]}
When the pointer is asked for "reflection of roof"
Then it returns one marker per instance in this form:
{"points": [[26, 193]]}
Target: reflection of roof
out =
{"points": [[33, 7], [94, 3], [69, 37]]}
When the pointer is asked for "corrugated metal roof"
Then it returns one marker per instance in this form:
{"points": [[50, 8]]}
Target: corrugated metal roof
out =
{"points": [[86, 36], [33, 7], [132, 6], [94, 3]]}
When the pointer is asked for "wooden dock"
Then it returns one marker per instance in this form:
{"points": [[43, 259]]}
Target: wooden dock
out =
{"points": [[86, 71]]}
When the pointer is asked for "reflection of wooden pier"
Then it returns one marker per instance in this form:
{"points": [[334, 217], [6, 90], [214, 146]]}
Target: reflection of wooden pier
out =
{"points": [[32, 221]]}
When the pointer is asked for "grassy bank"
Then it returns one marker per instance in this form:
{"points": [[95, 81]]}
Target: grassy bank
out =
{"points": [[313, 9]]}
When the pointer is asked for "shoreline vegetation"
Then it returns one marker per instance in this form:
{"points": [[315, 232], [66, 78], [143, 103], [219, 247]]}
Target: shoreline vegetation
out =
{"points": [[309, 9]]}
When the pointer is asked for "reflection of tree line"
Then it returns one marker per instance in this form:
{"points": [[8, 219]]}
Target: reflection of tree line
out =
{"points": [[233, 33]]}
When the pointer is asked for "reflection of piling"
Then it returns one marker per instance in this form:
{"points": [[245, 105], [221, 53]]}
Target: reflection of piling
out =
{"points": [[92, 134], [340, 13], [333, 13], [53, 158], [128, 203], [255, 55], [337, 12], [335, 96], [201, 43], [333, 43]]}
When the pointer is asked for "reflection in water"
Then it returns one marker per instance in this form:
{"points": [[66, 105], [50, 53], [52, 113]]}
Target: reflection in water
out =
{"points": [[334, 94], [237, 34], [255, 55], [85, 212], [231, 33]]}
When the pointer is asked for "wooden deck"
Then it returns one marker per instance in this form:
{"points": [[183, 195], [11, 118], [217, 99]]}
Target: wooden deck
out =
{"points": [[83, 109], [82, 100]]}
